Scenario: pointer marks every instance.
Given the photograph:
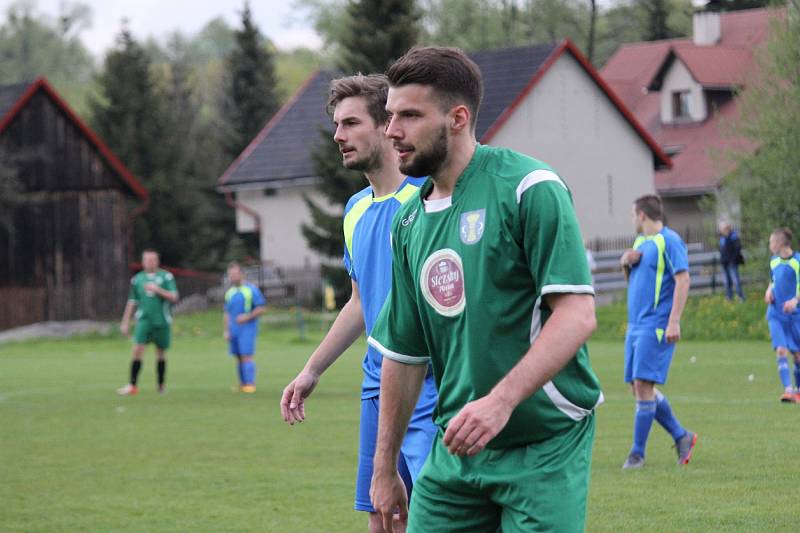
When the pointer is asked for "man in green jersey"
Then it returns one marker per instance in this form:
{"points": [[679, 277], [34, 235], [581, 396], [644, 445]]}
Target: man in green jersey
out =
{"points": [[152, 292], [490, 284]]}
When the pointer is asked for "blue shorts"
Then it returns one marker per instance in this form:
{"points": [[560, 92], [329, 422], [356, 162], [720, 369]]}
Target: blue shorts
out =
{"points": [[784, 334], [647, 357], [413, 451], [242, 343]]}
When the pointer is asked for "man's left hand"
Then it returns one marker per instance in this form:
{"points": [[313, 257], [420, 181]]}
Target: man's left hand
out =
{"points": [[789, 306], [673, 332], [475, 425]]}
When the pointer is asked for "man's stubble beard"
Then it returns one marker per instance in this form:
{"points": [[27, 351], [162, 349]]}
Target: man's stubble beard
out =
{"points": [[371, 163], [428, 162]]}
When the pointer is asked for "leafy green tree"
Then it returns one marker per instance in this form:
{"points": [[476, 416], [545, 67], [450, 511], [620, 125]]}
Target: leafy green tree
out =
{"points": [[766, 178], [379, 31], [33, 44]]}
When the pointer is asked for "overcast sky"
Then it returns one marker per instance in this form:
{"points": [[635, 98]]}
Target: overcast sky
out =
{"points": [[275, 18]]}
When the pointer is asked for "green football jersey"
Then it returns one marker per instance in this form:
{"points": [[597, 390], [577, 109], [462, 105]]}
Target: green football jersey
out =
{"points": [[151, 307], [469, 274]]}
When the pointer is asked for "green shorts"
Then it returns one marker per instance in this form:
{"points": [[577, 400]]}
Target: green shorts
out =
{"points": [[540, 487], [146, 333]]}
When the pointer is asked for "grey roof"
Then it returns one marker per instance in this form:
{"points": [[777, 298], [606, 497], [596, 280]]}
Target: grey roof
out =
{"points": [[282, 151], [10, 95]]}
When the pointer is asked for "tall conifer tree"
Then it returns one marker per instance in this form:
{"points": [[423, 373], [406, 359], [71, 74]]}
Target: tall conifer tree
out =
{"points": [[250, 96]]}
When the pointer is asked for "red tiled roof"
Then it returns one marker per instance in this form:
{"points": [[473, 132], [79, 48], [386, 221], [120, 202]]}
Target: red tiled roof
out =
{"points": [[716, 66], [702, 157], [635, 67]]}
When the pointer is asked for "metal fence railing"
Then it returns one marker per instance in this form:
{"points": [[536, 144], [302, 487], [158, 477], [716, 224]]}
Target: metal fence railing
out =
{"points": [[704, 269]]}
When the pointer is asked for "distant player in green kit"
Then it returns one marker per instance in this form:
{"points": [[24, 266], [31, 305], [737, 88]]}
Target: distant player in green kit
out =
{"points": [[490, 284], [152, 293]]}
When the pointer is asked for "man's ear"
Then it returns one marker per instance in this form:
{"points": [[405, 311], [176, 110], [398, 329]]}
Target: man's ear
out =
{"points": [[460, 118]]}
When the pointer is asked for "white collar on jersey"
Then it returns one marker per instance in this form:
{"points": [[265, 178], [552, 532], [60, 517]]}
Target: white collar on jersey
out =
{"points": [[440, 204]]}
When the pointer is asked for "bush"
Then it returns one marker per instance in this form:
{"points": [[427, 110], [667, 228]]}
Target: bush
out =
{"points": [[706, 318]]}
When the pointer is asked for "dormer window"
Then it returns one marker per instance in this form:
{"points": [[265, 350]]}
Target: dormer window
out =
{"points": [[680, 105]]}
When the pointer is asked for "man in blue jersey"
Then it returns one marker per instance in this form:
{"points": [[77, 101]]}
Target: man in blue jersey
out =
{"points": [[244, 303], [782, 313], [658, 286], [357, 104]]}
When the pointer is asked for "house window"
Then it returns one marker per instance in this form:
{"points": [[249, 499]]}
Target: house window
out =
{"points": [[680, 104]]}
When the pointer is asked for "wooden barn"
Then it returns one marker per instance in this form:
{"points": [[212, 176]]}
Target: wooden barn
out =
{"points": [[65, 229]]}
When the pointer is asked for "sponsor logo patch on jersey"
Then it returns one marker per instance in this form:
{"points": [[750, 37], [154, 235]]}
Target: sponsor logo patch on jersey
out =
{"points": [[442, 282], [471, 227]]}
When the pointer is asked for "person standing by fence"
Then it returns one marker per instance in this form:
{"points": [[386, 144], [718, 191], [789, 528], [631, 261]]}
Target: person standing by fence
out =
{"points": [[730, 257]]}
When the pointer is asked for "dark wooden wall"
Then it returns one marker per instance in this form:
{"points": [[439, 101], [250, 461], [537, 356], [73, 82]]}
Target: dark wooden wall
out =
{"points": [[65, 258]]}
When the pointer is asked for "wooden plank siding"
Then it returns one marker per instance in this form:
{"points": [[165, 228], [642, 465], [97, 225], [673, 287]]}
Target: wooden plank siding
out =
{"points": [[65, 257]]}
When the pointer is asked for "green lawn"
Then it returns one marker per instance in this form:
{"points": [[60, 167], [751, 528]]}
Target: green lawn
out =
{"points": [[76, 457]]}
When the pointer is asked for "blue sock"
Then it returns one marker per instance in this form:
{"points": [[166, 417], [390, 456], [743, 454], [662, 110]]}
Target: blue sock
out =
{"points": [[797, 375], [665, 417], [241, 373], [783, 372], [249, 372], [642, 421]]}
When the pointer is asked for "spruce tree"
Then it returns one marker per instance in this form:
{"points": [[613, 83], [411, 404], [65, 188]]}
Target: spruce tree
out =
{"points": [[379, 31], [127, 115], [250, 97]]}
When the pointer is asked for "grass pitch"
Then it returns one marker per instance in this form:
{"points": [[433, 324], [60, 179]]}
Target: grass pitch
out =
{"points": [[76, 457]]}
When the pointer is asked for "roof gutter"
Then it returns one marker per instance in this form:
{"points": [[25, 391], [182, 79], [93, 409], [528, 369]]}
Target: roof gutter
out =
{"points": [[269, 184]]}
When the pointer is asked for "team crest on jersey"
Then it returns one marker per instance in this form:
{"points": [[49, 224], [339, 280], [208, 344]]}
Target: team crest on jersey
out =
{"points": [[442, 282], [471, 227]]}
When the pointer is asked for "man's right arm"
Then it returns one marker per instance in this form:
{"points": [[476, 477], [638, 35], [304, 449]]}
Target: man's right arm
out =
{"points": [[124, 325], [347, 327], [400, 387]]}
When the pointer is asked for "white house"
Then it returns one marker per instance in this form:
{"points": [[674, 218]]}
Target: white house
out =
{"points": [[545, 101]]}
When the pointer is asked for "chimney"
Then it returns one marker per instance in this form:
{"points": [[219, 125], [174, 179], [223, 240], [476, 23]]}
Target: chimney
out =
{"points": [[706, 29]]}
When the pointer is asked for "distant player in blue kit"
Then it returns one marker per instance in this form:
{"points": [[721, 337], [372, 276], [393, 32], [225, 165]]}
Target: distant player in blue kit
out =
{"points": [[358, 106], [783, 316], [244, 303], [658, 286]]}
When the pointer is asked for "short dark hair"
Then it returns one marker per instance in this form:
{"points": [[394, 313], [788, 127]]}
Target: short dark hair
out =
{"points": [[452, 75], [234, 264], [785, 234], [650, 205], [373, 88], [150, 251]]}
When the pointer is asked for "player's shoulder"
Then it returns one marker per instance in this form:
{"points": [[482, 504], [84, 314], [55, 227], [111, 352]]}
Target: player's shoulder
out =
{"points": [[519, 171], [672, 237], [166, 274], [366, 192], [405, 217]]}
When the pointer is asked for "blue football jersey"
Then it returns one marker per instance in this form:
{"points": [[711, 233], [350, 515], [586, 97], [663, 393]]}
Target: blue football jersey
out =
{"points": [[651, 284], [785, 275], [242, 299], [368, 260]]}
